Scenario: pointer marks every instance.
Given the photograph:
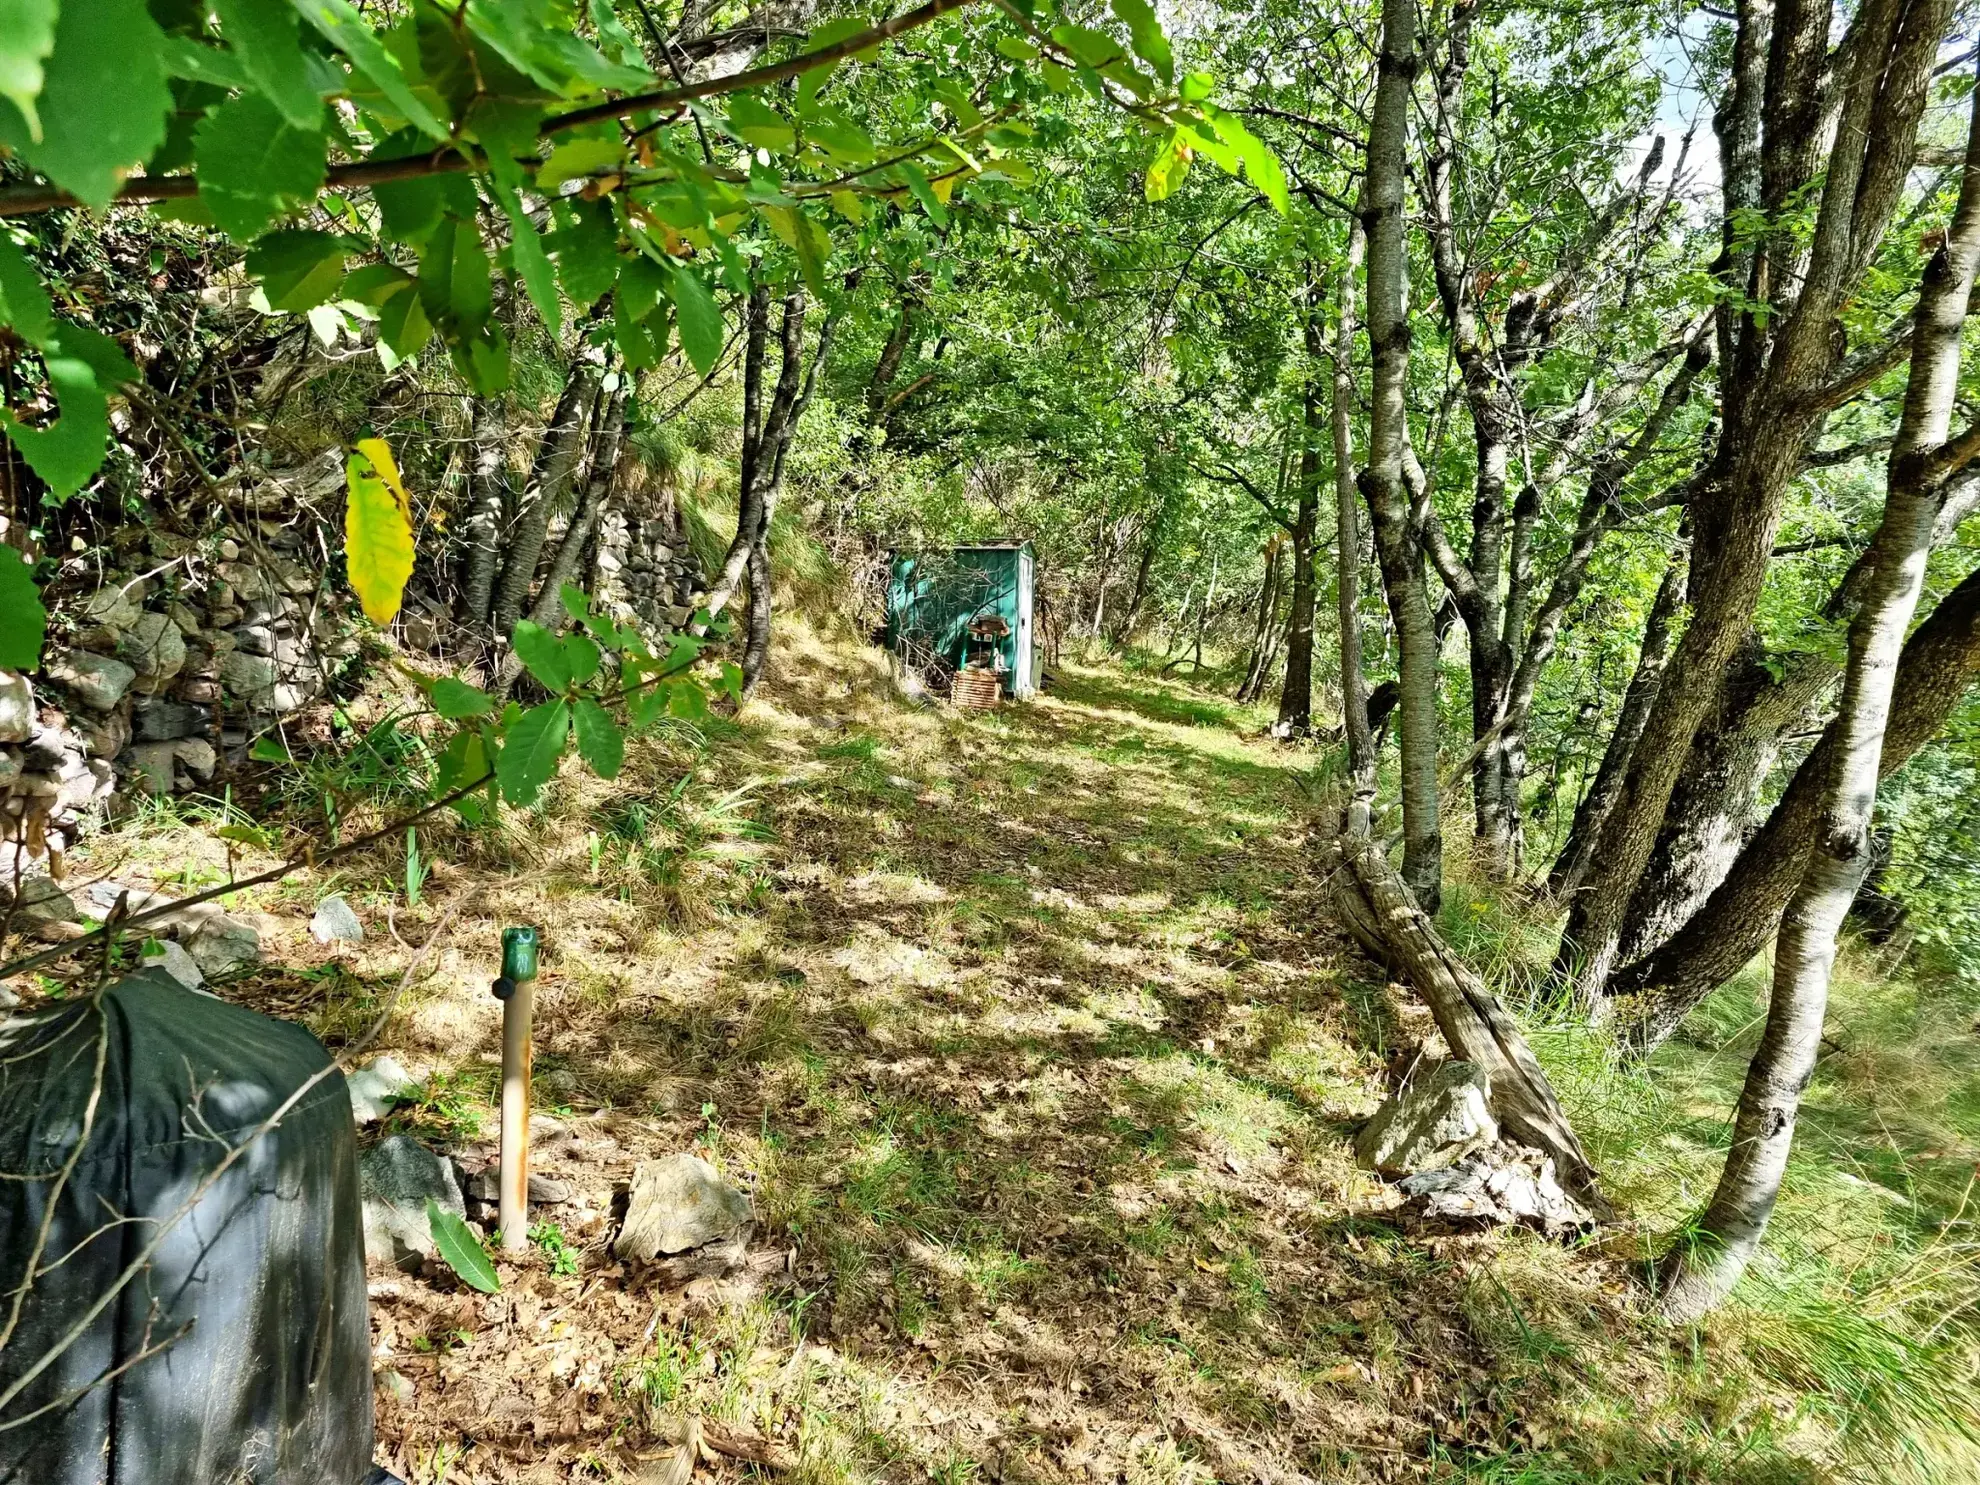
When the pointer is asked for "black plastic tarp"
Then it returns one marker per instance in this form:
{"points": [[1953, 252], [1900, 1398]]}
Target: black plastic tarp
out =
{"points": [[252, 1301]]}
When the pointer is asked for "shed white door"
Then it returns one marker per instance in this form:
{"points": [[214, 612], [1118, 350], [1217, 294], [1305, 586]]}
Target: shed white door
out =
{"points": [[1024, 678]]}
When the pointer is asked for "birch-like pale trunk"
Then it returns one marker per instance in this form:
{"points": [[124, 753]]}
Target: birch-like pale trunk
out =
{"points": [[1701, 1272], [1382, 481], [1347, 549]]}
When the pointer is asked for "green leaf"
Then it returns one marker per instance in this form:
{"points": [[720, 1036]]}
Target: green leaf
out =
{"points": [[1167, 169], [461, 1249], [580, 658], [298, 269], [403, 327], [684, 700], [23, 298], [264, 35], [918, 187], [531, 261], [1017, 49], [543, 653], [1092, 48], [103, 102], [586, 249], [412, 208], [253, 164], [454, 282], [846, 142], [454, 699], [375, 283], [27, 36], [642, 285], [23, 618], [600, 742], [578, 158], [1149, 43], [1198, 86], [445, 63], [462, 761], [340, 22], [270, 749], [1261, 166], [68, 451], [755, 122], [699, 319], [531, 749]]}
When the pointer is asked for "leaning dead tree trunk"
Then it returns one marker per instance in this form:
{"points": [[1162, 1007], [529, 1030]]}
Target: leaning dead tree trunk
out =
{"points": [[1385, 919], [1700, 1272]]}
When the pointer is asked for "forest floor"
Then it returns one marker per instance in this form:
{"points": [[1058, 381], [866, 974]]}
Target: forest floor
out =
{"points": [[1030, 1040]]}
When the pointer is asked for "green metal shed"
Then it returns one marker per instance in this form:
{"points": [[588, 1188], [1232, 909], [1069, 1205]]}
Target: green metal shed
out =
{"points": [[933, 597]]}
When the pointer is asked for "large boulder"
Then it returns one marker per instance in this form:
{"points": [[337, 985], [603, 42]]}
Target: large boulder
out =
{"points": [[399, 1176], [1433, 1124], [677, 1203]]}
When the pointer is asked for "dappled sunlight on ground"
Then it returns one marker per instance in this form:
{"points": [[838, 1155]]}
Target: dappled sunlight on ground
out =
{"points": [[1030, 1041]]}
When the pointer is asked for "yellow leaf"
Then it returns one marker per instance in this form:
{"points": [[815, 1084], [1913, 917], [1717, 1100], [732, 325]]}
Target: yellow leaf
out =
{"points": [[944, 186], [378, 537]]}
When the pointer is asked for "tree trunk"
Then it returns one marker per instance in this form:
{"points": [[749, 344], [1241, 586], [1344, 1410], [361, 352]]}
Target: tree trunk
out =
{"points": [[1653, 996], [756, 641], [1347, 549], [1296, 693], [1713, 805], [1711, 810], [556, 463], [1261, 629], [488, 500], [749, 485], [1382, 481], [1702, 1271], [1571, 866]]}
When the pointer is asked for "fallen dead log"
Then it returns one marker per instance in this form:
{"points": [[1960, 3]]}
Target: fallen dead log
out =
{"points": [[1384, 918]]}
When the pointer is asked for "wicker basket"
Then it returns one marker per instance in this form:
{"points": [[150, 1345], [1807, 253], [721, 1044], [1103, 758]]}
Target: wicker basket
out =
{"points": [[976, 690]]}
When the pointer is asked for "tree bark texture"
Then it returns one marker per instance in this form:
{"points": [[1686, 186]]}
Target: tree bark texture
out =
{"points": [[556, 463], [488, 500], [1296, 693], [1347, 548], [1571, 866], [1382, 482]]}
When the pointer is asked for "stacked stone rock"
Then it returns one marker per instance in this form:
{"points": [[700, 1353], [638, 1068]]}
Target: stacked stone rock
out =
{"points": [[646, 570], [203, 648]]}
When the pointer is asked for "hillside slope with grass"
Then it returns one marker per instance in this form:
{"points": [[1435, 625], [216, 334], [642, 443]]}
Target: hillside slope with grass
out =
{"points": [[1031, 1042]]}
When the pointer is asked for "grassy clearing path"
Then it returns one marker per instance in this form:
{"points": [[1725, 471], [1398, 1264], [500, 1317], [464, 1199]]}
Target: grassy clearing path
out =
{"points": [[1029, 1037]]}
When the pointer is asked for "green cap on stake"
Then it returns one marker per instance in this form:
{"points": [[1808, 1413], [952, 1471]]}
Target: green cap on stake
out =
{"points": [[519, 954]]}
